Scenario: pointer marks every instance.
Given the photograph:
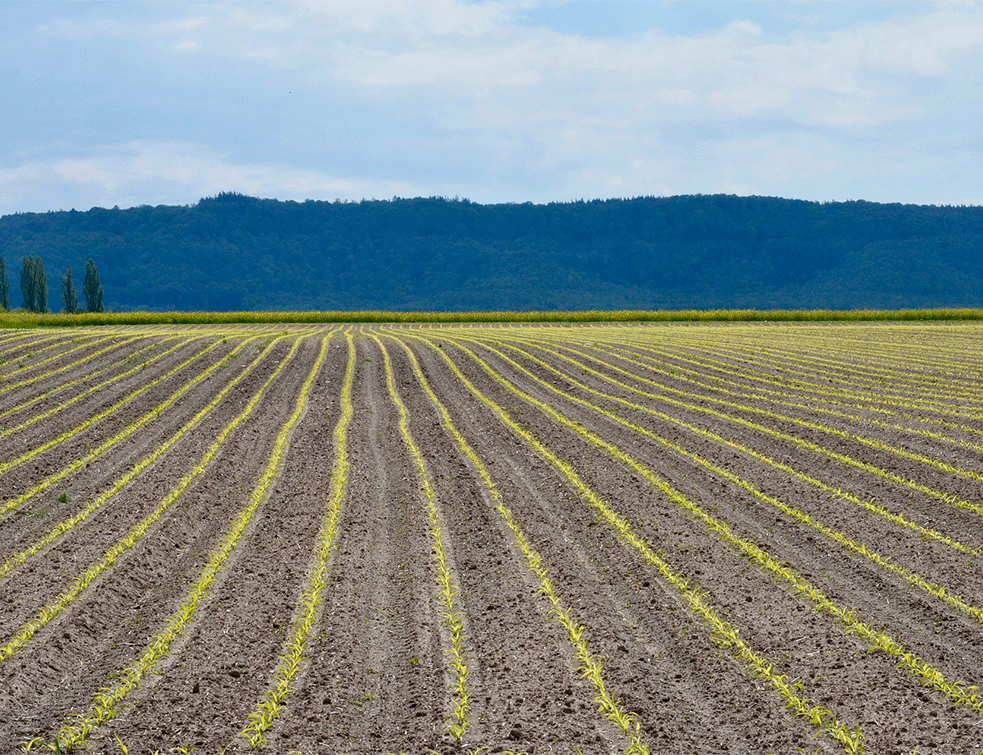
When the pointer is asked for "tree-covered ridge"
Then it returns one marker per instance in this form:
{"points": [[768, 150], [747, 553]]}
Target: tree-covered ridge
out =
{"points": [[234, 252]]}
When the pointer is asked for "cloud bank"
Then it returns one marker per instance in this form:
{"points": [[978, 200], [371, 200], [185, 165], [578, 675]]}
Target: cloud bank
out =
{"points": [[147, 103]]}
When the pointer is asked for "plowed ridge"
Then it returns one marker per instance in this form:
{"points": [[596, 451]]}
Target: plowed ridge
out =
{"points": [[632, 539]]}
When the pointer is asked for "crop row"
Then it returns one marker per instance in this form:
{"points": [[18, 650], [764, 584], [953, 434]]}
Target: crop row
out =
{"points": [[133, 359], [309, 605], [961, 693], [119, 485], [78, 728], [118, 437], [812, 538], [697, 402], [724, 633], [938, 591]]}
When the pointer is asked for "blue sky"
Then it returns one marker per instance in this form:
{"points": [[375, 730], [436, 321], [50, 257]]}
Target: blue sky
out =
{"points": [[130, 103]]}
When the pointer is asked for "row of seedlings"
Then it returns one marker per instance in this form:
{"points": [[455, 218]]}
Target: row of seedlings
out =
{"points": [[131, 429], [309, 604], [724, 634], [938, 591], [77, 728]]}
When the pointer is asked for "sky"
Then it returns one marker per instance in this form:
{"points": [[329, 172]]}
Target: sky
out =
{"points": [[145, 103]]}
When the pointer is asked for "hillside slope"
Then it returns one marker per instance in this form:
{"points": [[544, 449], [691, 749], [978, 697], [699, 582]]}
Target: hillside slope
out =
{"points": [[233, 252]]}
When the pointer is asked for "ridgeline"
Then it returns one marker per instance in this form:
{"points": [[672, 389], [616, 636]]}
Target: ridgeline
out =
{"points": [[232, 252]]}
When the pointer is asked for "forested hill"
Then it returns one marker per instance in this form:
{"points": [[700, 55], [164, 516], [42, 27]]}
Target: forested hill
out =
{"points": [[234, 252]]}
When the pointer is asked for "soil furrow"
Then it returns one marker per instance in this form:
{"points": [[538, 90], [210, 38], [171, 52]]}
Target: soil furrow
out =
{"points": [[721, 564], [123, 610], [375, 681]]}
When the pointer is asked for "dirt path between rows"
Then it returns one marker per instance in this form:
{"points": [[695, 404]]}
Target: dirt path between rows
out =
{"points": [[375, 677]]}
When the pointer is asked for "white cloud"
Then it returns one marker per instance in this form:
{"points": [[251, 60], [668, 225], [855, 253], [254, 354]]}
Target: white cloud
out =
{"points": [[451, 97], [143, 172]]}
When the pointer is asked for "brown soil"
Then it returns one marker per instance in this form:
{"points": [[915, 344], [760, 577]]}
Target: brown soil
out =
{"points": [[375, 677]]}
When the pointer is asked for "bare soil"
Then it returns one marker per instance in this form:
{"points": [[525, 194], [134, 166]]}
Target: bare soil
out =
{"points": [[375, 677]]}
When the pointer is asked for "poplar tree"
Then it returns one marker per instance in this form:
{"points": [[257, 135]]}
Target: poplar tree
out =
{"points": [[34, 285], [27, 282], [69, 294], [91, 288], [40, 287], [4, 286]]}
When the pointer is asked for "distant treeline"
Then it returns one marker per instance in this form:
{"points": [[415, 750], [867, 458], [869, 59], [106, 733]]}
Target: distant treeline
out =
{"points": [[232, 252]]}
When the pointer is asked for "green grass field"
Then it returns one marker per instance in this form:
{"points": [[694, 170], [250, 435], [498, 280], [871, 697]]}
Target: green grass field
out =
{"points": [[21, 319]]}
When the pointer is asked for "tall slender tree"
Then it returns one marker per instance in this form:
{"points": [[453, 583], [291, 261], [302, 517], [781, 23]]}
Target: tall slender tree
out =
{"points": [[40, 287], [34, 285], [4, 286], [69, 294], [27, 282], [92, 289]]}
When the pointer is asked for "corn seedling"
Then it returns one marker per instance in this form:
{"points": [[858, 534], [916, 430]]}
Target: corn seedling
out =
{"points": [[305, 615], [447, 589], [104, 705]]}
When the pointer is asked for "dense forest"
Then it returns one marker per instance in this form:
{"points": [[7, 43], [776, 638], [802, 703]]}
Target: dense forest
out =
{"points": [[233, 252]]}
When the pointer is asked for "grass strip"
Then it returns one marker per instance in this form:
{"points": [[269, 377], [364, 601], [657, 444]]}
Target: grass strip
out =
{"points": [[31, 320]]}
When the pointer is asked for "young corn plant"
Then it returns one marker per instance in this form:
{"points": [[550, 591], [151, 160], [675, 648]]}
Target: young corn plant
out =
{"points": [[815, 447], [59, 355], [817, 405], [460, 717], [77, 729], [295, 646], [702, 407], [589, 664], [63, 405], [880, 511]]}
